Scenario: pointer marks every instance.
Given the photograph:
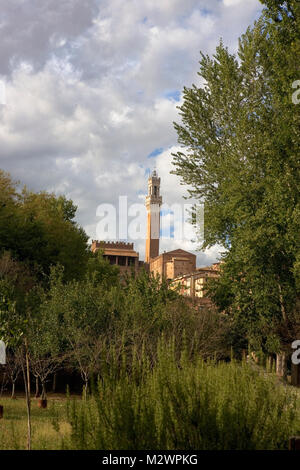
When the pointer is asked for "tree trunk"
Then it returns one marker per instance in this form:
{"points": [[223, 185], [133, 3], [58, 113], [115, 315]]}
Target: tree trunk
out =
{"points": [[54, 383], [26, 375], [254, 357], [44, 393], [3, 383], [37, 391], [270, 362], [282, 307], [281, 366], [13, 390], [85, 388], [295, 379]]}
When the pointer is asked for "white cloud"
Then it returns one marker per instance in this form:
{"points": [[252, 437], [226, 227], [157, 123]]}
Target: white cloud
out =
{"points": [[230, 3], [90, 90]]}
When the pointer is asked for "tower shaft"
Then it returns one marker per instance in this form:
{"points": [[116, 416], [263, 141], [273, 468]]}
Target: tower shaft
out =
{"points": [[153, 203]]}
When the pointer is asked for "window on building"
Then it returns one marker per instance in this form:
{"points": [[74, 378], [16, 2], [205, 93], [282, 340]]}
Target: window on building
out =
{"points": [[122, 261], [131, 261]]}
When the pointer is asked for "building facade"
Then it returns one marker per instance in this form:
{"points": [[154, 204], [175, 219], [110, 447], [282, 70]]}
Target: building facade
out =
{"points": [[193, 284], [178, 267], [119, 253], [172, 264]]}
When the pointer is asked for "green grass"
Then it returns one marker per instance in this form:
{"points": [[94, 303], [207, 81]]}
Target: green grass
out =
{"points": [[49, 425]]}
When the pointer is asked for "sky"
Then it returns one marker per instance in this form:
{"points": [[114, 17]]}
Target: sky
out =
{"points": [[91, 91]]}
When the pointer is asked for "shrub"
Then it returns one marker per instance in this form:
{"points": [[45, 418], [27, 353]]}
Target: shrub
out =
{"points": [[183, 404]]}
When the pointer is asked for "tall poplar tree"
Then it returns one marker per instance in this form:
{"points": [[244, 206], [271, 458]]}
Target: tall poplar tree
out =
{"points": [[240, 155]]}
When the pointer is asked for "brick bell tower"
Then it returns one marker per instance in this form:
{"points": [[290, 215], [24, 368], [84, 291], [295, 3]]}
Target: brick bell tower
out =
{"points": [[153, 203]]}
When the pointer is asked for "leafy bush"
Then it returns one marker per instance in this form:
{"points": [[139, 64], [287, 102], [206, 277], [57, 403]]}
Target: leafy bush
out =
{"points": [[183, 404]]}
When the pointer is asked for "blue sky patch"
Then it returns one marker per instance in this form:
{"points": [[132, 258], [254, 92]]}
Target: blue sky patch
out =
{"points": [[166, 211], [155, 152], [205, 12], [173, 95]]}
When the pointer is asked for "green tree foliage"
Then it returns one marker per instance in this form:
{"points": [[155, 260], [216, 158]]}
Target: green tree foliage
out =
{"points": [[84, 311], [11, 325], [100, 271], [240, 156], [39, 229], [43, 335], [91, 316]]}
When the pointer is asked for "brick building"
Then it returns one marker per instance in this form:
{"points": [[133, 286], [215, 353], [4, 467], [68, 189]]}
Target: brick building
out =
{"points": [[173, 263], [119, 253], [193, 284], [177, 266]]}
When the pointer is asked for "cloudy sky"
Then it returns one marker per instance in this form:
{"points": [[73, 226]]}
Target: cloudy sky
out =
{"points": [[92, 89]]}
